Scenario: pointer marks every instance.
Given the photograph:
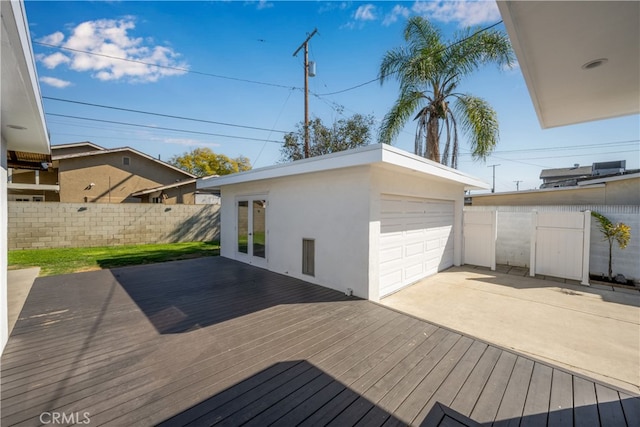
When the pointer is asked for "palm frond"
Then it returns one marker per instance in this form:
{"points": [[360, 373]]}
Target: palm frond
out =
{"points": [[480, 123], [399, 115]]}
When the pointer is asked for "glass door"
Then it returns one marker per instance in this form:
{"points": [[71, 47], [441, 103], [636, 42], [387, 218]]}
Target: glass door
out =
{"points": [[252, 231]]}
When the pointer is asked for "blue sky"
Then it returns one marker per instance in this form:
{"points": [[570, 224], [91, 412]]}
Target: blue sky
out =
{"points": [[231, 62]]}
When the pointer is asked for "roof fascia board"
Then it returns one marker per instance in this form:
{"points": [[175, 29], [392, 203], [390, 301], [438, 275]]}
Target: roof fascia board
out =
{"points": [[367, 155]]}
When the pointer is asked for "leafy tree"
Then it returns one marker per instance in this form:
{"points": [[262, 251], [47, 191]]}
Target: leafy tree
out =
{"points": [[618, 232], [204, 162], [342, 135], [429, 71]]}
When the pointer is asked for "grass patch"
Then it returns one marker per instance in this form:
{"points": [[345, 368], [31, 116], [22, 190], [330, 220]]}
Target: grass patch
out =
{"points": [[73, 260]]}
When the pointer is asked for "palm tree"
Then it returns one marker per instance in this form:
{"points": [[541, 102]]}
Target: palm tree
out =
{"points": [[429, 72]]}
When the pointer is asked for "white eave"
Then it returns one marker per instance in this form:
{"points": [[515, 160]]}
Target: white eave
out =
{"points": [[381, 154], [23, 122], [555, 40]]}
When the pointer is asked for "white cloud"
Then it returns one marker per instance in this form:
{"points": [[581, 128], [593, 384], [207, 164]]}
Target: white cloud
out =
{"points": [[189, 142], [53, 60], [365, 12], [107, 40], [264, 4], [54, 38], [395, 13], [465, 12], [333, 5], [55, 82]]}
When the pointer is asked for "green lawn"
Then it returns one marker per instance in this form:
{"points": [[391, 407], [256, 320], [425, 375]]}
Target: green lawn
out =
{"points": [[73, 260]]}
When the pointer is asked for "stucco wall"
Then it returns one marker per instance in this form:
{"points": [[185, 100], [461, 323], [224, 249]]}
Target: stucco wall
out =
{"points": [[513, 246], [330, 207], [49, 225], [113, 180], [4, 314]]}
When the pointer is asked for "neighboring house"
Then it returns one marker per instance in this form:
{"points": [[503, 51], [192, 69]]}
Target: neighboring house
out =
{"points": [[564, 177], [184, 190], [369, 220], [614, 189], [87, 173], [24, 139]]}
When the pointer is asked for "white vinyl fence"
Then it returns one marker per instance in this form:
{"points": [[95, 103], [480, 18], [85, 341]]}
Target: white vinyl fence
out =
{"points": [[513, 237], [560, 244]]}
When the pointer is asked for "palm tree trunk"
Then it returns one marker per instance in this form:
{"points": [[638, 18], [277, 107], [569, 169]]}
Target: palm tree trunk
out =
{"points": [[433, 140]]}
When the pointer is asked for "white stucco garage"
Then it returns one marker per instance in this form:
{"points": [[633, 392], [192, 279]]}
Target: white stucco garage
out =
{"points": [[373, 219]]}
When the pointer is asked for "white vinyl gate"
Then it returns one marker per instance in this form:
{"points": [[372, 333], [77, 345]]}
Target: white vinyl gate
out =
{"points": [[560, 245], [479, 238], [416, 240]]}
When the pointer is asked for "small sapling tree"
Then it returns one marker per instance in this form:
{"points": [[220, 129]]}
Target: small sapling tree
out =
{"points": [[618, 232]]}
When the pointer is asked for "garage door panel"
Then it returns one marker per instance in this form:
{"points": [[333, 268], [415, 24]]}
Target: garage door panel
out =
{"points": [[391, 254], [416, 240]]}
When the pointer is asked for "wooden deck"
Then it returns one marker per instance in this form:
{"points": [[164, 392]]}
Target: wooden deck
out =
{"points": [[216, 342]]}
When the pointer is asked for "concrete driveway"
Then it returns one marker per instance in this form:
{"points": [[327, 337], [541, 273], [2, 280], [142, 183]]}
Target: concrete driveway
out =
{"points": [[587, 330]]}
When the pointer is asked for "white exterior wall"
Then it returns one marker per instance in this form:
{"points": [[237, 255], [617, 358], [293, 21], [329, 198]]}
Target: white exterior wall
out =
{"points": [[4, 314], [388, 180], [331, 207]]}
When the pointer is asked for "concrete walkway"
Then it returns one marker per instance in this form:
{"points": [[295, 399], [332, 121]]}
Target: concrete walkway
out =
{"points": [[591, 331], [19, 284]]}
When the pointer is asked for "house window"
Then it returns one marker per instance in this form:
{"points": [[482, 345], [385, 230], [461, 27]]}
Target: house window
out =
{"points": [[156, 200], [38, 198], [126, 161], [308, 257]]}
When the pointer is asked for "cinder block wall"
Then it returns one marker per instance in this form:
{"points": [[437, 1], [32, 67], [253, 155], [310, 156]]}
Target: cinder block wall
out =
{"points": [[55, 225], [513, 245]]}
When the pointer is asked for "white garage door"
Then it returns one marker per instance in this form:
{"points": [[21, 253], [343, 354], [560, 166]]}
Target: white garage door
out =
{"points": [[416, 240]]}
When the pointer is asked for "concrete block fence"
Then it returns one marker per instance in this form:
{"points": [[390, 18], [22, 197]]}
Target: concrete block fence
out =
{"points": [[57, 225]]}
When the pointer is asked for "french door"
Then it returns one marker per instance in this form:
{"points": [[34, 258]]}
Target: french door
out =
{"points": [[252, 231]]}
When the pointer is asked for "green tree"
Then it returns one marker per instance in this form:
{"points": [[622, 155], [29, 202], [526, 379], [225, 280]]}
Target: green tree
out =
{"points": [[619, 232], [429, 71], [204, 162], [344, 134]]}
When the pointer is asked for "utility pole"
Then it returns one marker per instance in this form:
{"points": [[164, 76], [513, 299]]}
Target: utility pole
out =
{"points": [[493, 187], [517, 185], [305, 45]]}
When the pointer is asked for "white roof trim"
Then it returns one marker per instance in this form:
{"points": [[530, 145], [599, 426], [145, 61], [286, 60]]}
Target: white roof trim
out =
{"points": [[367, 155], [117, 150]]}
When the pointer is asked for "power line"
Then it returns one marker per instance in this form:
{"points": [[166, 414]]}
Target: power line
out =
{"points": [[169, 67], [162, 128], [566, 147], [162, 115], [481, 30]]}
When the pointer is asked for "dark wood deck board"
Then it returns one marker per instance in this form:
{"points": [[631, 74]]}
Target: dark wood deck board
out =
{"points": [[609, 407], [585, 409], [489, 401], [561, 400], [512, 404], [536, 406], [213, 341]]}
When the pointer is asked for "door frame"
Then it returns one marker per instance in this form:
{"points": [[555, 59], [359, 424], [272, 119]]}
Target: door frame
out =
{"points": [[249, 257]]}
